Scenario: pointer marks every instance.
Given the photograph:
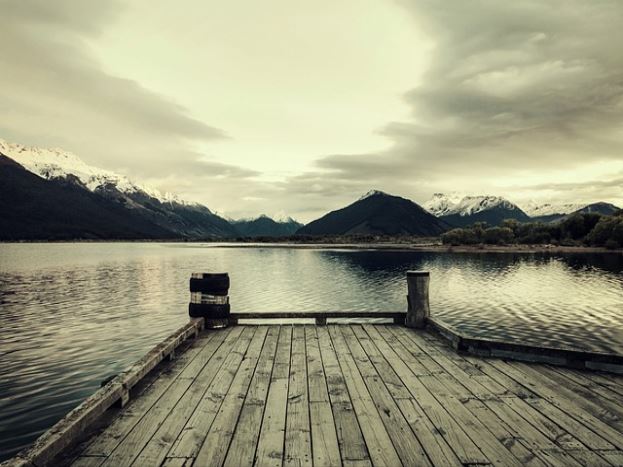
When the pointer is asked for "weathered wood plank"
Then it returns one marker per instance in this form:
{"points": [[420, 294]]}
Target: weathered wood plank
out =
{"points": [[378, 440], [547, 444], [610, 393], [405, 442], [317, 314], [188, 428], [167, 417], [175, 381], [325, 448], [216, 444], [270, 448], [552, 413], [352, 445], [146, 394], [553, 397], [244, 443], [454, 435], [298, 427], [358, 395]]}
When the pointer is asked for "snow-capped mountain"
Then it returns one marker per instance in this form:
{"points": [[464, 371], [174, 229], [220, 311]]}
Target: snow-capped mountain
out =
{"points": [[163, 215], [551, 212], [59, 164], [442, 204], [465, 210], [534, 209]]}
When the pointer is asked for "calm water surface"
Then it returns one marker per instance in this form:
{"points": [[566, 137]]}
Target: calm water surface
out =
{"points": [[73, 314]]}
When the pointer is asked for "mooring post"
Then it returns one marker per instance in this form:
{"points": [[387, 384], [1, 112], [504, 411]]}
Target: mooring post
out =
{"points": [[209, 299], [418, 309]]}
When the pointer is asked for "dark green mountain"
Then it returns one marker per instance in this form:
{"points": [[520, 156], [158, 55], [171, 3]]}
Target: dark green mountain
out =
{"points": [[377, 213], [32, 208], [62, 208], [264, 226], [492, 216]]}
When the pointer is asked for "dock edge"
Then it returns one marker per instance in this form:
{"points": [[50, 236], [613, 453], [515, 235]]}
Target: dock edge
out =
{"points": [[67, 431]]}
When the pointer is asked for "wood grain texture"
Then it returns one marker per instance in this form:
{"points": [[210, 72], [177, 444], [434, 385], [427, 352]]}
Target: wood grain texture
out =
{"points": [[359, 395]]}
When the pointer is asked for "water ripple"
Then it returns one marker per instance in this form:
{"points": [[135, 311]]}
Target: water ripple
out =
{"points": [[73, 314]]}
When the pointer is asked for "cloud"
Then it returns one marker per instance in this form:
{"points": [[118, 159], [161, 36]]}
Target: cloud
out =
{"points": [[513, 91], [53, 93], [513, 88]]}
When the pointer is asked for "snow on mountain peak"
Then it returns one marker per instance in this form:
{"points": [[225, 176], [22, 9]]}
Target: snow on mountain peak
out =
{"points": [[373, 193], [56, 163], [536, 209], [444, 205]]}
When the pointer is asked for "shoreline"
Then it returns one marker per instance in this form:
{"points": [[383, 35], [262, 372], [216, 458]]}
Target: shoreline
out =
{"points": [[389, 246]]}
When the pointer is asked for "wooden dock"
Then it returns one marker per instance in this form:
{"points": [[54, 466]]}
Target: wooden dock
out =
{"points": [[357, 395]]}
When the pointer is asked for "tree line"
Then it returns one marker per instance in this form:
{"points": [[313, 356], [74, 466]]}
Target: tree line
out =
{"points": [[579, 229]]}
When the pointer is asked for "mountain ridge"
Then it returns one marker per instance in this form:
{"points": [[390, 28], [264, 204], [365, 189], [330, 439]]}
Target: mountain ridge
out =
{"points": [[377, 213]]}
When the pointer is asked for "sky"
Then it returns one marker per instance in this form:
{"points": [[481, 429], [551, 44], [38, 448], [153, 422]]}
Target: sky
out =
{"points": [[301, 107]]}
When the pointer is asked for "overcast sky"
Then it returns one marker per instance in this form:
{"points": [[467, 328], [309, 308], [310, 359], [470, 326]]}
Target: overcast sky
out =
{"points": [[300, 107]]}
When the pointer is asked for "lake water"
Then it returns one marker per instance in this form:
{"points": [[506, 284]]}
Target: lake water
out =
{"points": [[73, 314]]}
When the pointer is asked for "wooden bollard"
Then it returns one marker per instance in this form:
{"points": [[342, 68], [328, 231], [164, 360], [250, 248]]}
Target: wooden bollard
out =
{"points": [[418, 309], [209, 298]]}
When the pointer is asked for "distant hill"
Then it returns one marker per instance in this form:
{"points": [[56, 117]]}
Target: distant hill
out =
{"points": [[32, 208], [377, 213], [467, 210], [557, 214], [264, 226]]}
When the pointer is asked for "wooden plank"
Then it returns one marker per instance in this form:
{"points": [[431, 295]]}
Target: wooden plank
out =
{"points": [[298, 427], [178, 462], [545, 448], [543, 413], [438, 451], [244, 443], [325, 448], [352, 445], [270, 448], [405, 442], [148, 393], [186, 430], [555, 436], [216, 443], [529, 399], [607, 412], [488, 419], [608, 401], [163, 422], [444, 422], [378, 441], [603, 430], [550, 436], [317, 314], [385, 371], [447, 392], [612, 382], [610, 392], [480, 384], [107, 441]]}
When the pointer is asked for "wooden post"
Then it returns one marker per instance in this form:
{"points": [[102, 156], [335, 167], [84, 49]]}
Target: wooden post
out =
{"points": [[418, 309]]}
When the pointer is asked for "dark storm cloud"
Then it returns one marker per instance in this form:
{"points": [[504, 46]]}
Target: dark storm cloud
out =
{"points": [[53, 93], [513, 87]]}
